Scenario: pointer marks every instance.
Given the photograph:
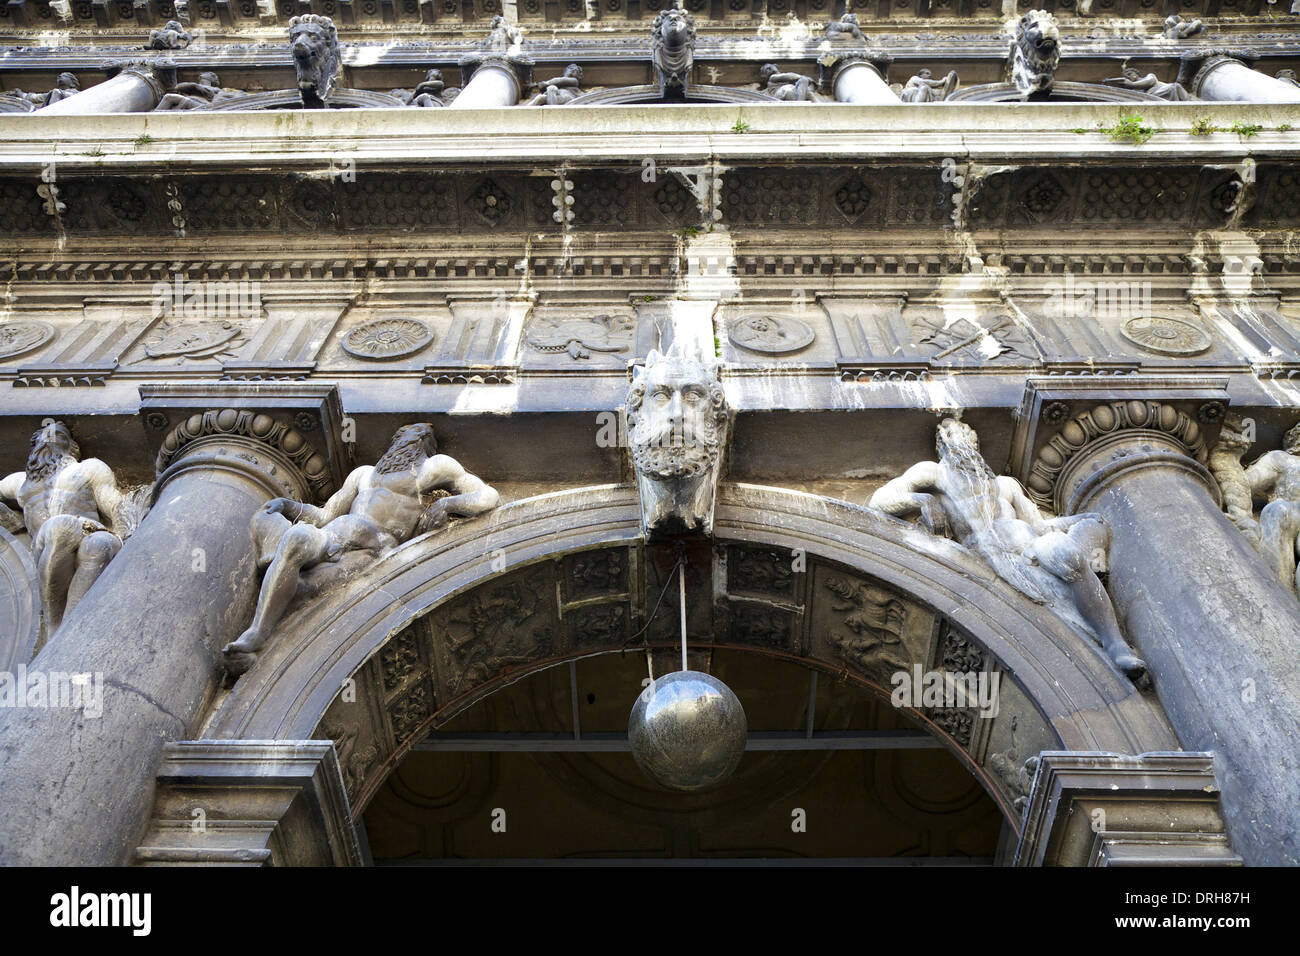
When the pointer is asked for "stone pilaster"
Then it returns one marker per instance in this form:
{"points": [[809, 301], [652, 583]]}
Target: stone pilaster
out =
{"points": [[1198, 603], [78, 781]]}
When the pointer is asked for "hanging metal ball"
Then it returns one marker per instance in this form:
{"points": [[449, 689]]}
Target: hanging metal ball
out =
{"points": [[687, 731]]}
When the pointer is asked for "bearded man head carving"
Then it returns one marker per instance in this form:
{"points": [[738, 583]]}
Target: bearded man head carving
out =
{"points": [[676, 428]]}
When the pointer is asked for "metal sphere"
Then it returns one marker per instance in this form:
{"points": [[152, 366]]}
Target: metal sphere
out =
{"points": [[687, 731]]}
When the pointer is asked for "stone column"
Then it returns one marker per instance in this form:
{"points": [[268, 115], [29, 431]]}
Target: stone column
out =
{"points": [[76, 786], [137, 88], [1226, 78], [494, 81], [858, 79], [1217, 632]]}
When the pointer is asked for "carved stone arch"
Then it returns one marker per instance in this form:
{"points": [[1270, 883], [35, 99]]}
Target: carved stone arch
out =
{"points": [[649, 93], [448, 618], [1063, 91], [292, 100]]}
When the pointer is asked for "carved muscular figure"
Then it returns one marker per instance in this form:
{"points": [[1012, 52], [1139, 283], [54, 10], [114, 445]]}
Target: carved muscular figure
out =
{"points": [[377, 509], [560, 90], [992, 516], [792, 87], [1275, 476], [67, 506]]}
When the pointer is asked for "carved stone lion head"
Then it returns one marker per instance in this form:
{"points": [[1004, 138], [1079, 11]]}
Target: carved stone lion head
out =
{"points": [[1037, 52], [315, 46]]}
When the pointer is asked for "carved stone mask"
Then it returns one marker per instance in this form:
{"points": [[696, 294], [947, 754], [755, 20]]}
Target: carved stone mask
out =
{"points": [[675, 417]]}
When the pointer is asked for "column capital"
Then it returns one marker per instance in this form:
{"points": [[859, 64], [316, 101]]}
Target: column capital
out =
{"points": [[833, 64], [1195, 65], [518, 65], [286, 437], [1075, 437]]}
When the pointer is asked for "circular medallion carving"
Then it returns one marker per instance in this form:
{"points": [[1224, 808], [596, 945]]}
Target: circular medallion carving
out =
{"points": [[387, 339], [19, 337], [1166, 336], [770, 334]]}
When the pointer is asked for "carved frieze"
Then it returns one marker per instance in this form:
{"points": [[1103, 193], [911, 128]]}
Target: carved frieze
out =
{"points": [[598, 626], [761, 625], [960, 653], [345, 723], [828, 195], [193, 341], [410, 710], [580, 336], [761, 571], [490, 202], [385, 339], [994, 338], [400, 659], [591, 574], [867, 624], [770, 334], [1164, 335], [508, 622], [21, 337]]}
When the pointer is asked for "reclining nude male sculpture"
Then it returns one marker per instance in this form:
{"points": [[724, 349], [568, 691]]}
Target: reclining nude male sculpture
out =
{"points": [[76, 514], [379, 507], [1046, 559]]}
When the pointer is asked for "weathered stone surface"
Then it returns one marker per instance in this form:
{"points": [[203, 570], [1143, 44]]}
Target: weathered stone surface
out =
{"points": [[78, 785]]}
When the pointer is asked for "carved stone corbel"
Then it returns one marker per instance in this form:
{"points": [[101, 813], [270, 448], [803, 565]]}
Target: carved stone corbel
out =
{"points": [[676, 430]]}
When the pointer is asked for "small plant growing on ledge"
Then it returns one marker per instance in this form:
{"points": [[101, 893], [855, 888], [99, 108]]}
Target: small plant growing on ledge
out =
{"points": [[1204, 126], [690, 232], [93, 151], [1244, 130], [1285, 128], [1128, 129], [740, 127], [144, 139]]}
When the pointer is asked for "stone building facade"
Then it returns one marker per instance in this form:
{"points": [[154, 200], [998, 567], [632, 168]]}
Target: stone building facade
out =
{"points": [[915, 337]]}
